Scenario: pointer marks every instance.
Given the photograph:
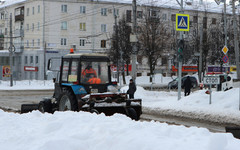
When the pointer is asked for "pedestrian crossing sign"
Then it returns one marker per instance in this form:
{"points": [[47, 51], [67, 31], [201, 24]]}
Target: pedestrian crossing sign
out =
{"points": [[182, 22]]}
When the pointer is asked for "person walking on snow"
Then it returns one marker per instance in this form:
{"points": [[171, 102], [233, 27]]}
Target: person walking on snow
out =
{"points": [[132, 89], [187, 86]]}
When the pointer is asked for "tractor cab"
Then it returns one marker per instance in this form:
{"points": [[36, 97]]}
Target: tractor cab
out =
{"points": [[83, 74]]}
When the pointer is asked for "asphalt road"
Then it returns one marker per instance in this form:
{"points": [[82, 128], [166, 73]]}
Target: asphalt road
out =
{"points": [[12, 100]]}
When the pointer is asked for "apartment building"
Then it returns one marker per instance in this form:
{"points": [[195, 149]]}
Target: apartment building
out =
{"points": [[49, 28]]}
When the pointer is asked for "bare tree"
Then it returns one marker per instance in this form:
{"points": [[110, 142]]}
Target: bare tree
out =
{"points": [[153, 38], [121, 46]]}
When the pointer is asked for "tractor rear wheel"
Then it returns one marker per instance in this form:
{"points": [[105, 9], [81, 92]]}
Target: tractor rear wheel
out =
{"points": [[132, 113], [68, 101]]}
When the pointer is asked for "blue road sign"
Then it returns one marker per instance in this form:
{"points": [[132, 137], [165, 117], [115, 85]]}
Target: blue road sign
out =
{"points": [[182, 22]]}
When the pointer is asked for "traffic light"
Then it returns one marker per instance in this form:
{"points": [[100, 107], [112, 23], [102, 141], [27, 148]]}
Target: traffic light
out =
{"points": [[180, 50]]}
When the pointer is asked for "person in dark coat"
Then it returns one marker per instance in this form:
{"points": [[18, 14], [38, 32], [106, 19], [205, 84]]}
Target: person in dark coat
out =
{"points": [[132, 89], [187, 86]]}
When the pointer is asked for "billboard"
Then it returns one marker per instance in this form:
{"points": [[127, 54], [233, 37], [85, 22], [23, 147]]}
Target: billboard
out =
{"points": [[6, 71]]}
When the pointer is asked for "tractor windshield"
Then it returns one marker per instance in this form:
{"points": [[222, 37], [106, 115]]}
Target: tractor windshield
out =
{"points": [[94, 72]]}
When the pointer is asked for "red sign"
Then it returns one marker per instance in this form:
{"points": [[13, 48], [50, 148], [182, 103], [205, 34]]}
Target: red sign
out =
{"points": [[186, 69], [225, 58], [29, 68], [114, 68], [6, 71]]}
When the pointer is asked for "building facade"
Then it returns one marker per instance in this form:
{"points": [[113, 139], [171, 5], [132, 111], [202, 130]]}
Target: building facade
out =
{"points": [[49, 28]]}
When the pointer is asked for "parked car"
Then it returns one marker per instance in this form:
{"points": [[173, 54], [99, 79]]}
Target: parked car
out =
{"points": [[174, 83]]}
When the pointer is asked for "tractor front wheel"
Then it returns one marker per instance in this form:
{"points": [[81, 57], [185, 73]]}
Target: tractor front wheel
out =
{"points": [[68, 101]]}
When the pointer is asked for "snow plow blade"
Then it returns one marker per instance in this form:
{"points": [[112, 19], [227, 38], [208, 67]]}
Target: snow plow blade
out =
{"points": [[234, 130], [25, 108]]}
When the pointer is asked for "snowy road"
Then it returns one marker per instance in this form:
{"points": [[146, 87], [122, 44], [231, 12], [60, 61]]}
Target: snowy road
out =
{"points": [[12, 101]]}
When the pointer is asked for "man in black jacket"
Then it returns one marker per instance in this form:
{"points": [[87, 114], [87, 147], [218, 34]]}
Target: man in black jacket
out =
{"points": [[187, 86], [132, 89]]}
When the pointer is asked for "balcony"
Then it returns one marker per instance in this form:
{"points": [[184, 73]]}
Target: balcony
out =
{"points": [[19, 14], [19, 17]]}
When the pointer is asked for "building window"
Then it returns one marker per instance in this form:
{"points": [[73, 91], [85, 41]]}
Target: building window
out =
{"points": [[27, 43], [27, 11], [38, 26], [33, 43], [82, 9], [214, 21], [64, 25], [32, 26], [104, 11], [38, 8], [26, 60], [164, 16], [103, 27], [173, 17], [33, 10], [83, 26], [205, 22], [38, 42], [63, 41], [27, 27], [116, 12], [64, 8], [139, 14], [103, 43], [31, 59], [36, 59], [129, 16], [195, 19], [2, 16], [82, 42]]}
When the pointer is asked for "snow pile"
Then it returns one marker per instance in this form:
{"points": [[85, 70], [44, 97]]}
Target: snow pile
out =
{"points": [[80, 130], [224, 107]]}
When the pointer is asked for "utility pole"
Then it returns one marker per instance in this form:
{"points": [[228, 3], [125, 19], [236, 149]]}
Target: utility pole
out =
{"points": [[200, 57], [225, 23], [11, 50], [116, 44], [134, 54], [236, 48], [180, 61]]}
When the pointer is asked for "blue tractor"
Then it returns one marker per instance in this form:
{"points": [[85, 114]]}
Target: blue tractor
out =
{"points": [[84, 83]]}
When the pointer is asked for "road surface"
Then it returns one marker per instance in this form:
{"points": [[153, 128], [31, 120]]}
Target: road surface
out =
{"points": [[11, 100]]}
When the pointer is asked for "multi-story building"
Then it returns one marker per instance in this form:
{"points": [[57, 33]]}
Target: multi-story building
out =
{"points": [[49, 28]]}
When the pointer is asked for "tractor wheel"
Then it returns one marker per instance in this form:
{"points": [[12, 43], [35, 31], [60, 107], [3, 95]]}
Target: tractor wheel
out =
{"points": [[45, 106], [132, 113], [68, 101]]}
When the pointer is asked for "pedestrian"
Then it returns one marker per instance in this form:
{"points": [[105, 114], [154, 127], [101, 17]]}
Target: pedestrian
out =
{"points": [[187, 86], [132, 89]]}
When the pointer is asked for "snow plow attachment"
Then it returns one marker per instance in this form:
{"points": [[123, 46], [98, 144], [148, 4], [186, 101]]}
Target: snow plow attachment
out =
{"points": [[25, 108], [234, 130]]}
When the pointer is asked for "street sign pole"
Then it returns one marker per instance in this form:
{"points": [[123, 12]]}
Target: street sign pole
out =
{"points": [[182, 24], [210, 80]]}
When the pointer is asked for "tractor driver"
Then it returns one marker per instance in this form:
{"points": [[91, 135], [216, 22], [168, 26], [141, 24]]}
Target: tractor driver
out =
{"points": [[94, 80], [87, 72]]}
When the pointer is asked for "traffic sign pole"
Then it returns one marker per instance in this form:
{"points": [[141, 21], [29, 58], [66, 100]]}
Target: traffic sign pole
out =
{"points": [[182, 24]]}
